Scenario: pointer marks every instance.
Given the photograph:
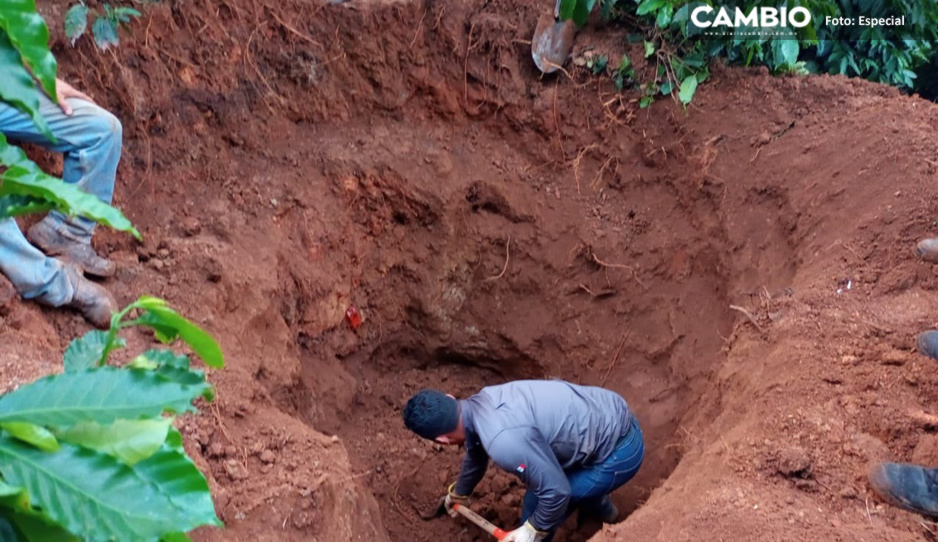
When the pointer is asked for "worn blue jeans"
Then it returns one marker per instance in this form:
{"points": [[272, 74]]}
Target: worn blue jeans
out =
{"points": [[90, 140], [590, 485]]}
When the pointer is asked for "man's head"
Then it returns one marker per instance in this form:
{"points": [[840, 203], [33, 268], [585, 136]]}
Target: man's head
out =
{"points": [[434, 415]]}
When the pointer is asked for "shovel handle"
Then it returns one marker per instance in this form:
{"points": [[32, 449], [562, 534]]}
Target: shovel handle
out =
{"points": [[483, 523]]}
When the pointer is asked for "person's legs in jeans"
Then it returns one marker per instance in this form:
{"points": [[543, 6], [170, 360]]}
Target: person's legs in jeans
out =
{"points": [[90, 140], [32, 273], [590, 486]]}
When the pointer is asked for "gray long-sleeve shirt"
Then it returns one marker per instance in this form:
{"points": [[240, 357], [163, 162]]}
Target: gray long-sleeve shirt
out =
{"points": [[537, 429]]}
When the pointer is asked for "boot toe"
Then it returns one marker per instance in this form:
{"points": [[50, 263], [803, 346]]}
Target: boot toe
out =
{"points": [[927, 249], [927, 343], [907, 486]]}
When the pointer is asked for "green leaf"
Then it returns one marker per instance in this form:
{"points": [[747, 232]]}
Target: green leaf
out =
{"points": [[98, 498], [649, 48], [88, 351], [179, 478], [163, 358], [131, 441], [13, 497], [664, 17], [102, 394], [176, 537], [170, 366], [36, 528], [24, 178], [168, 324], [28, 32], [22, 205], [18, 88], [105, 33], [785, 52], [688, 88], [645, 101], [650, 6], [582, 11], [567, 7], [76, 22], [7, 533], [40, 437], [123, 14]]}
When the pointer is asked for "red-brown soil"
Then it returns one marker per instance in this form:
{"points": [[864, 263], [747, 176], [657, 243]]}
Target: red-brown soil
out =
{"points": [[287, 159]]}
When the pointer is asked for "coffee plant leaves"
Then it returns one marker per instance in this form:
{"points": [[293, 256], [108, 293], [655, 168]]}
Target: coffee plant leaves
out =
{"points": [[168, 325], [64, 400], [18, 88], [24, 178], [94, 495], [87, 351], [104, 30], [688, 88], [76, 22], [28, 32], [131, 441], [177, 476], [40, 437], [35, 528]]}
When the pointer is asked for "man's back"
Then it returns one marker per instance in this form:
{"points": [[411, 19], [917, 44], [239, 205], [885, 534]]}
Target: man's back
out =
{"points": [[581, 424]]}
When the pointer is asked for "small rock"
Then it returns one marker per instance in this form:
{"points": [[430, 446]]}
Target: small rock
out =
{"points": [[163, 253], [268, 457], [157, 264], [848, 493], [235, 470], [191, 226], [217, 449], [894, 357], [794, 461]]}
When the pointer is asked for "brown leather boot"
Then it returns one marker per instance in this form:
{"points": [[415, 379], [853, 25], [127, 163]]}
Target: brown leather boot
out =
{"points": [[53, 243], [92, 300]]}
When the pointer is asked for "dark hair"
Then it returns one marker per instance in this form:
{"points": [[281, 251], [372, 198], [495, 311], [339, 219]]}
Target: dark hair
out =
{"points": [[431, 413]]}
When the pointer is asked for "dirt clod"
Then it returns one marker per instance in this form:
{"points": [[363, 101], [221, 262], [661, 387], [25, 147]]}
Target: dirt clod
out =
{"points": [[793, 462]]}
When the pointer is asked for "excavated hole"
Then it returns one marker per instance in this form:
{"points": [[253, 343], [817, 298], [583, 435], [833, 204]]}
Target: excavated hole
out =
{"points": [[654, 331]]}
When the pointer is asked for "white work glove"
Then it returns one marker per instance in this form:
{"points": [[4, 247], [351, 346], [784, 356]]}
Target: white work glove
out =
{"points": [[452, 497], [525, 533]]}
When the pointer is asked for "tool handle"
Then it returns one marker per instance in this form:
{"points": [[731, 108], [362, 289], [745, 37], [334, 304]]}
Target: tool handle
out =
{"points": [[485, 524]]}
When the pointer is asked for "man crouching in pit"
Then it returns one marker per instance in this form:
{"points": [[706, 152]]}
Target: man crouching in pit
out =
{"points": [[570, 445]]}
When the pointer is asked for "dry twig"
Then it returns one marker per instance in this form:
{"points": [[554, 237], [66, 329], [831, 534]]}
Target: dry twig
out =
{"points": [[505, 267], [748, 315], [296, 32], [615, 358]]}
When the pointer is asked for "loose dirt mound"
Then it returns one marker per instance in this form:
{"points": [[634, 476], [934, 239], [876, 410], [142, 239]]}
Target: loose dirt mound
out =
{"points": [[741, 272]]}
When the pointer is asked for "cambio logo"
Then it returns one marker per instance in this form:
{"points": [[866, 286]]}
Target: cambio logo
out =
{"points": [[798, 17]]}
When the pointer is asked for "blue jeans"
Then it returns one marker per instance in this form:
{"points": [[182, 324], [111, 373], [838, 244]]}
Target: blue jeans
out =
{"points": [[589, 486], [90, 140]]}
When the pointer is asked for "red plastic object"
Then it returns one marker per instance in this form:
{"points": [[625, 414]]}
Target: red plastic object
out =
{"points": [[353, 317]]}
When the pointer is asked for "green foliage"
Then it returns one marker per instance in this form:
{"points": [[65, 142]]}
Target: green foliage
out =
{"points": [[887, 54], [25, 59], [26, 188], [91, 454], [29, 35], [105, 27]]}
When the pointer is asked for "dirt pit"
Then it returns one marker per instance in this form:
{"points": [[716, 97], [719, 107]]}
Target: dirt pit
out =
{"points": [[741, 272]]}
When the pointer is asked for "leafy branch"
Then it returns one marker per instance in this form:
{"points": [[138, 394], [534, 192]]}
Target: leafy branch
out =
{"points": [[105, 27], [91, 454]]}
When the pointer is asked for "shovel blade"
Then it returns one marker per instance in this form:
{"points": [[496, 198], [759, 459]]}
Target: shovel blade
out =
{"points": [[552, 43]]}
